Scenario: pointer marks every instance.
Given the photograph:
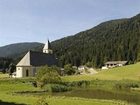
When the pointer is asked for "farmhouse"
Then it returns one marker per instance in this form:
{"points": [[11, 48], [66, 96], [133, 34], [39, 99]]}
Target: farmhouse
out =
{"points": [[28, 65], [112, 64]]}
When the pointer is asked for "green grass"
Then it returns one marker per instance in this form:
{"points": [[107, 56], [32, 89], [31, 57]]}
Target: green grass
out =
{"points": [[9, 86], [131, 72], [82, 101], [3, 76]]}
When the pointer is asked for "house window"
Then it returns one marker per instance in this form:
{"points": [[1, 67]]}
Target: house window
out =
{"points": [[27, 73]]}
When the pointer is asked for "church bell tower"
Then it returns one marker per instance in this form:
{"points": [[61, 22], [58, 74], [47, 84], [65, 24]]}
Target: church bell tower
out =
{"points": [[47, 48]]}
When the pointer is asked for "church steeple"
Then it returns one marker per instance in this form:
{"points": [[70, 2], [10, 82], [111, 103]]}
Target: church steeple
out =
{"points": [[47, 48]]}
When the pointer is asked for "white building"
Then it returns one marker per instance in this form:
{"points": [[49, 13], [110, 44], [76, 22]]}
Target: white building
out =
{"points": [[112, 64], [32, 60]]}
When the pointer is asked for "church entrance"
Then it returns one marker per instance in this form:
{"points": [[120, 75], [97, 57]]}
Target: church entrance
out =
{"points": [[27, 73]]}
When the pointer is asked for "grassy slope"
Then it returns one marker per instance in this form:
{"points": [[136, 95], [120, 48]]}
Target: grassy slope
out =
{"points": [[131, 72], [82, 101], [9, 86], [3, 76]]}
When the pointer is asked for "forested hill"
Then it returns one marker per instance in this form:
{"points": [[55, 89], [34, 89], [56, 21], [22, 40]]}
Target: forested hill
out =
{"points": [[19, 49], [111, 40]]}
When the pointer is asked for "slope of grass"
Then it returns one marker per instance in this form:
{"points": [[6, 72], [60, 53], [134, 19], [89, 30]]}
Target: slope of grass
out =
{"points": [[131, 72], [126, 72], [82, 101], [9, 86], [3, 76]]}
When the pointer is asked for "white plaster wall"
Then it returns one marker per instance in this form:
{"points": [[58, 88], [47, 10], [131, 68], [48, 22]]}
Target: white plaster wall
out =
{"points": [[47, 51], [19, 72]]}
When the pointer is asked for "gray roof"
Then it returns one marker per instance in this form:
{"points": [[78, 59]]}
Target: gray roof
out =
{"points": [[116, 62], [33, 58]]}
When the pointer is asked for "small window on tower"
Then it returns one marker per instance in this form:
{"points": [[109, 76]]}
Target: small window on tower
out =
{"points": [[18, 68]]}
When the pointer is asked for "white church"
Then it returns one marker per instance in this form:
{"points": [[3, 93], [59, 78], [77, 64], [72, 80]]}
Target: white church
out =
{"points": [[28, 65]]}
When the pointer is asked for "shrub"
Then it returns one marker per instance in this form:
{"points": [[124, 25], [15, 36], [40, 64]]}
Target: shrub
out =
{"points": [[57, 88], [34, 84], [47, 75], [89, 64], [77, 83], [69, 70], [125, 85]]}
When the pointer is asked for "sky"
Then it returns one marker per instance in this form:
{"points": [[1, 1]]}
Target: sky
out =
{"points": [[39, 20]]}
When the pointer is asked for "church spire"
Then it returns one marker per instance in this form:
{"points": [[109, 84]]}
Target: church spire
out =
{"points": [[47, 48]]}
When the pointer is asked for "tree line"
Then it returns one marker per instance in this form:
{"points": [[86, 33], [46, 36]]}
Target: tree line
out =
{"points": [[7, 65]]}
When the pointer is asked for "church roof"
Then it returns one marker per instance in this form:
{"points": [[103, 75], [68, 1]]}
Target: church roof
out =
{"points": [[47, 45], [33, 58]]}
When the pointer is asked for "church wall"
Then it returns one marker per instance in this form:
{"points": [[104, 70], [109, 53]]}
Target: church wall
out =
{"points": [[26, 71], [19, 72]]}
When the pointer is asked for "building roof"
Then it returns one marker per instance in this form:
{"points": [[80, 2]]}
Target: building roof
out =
{"points": [[47, 45], [33, 58], [116, 62]]}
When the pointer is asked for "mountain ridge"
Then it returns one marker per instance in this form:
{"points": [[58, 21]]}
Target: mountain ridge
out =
{"points": [[114, 38], [111, 40], [12, 50]]}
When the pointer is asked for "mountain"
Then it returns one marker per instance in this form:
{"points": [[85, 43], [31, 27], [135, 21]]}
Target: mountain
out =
{"points": [[111, 40], [19, 49]]}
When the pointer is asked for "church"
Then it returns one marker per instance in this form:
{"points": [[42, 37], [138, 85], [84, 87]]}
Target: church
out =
{"points": [[29, 64]]}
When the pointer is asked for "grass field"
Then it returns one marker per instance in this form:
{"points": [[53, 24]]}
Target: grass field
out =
{"points": [[9, 86], [83, 101], [131, 72], [3, 76], [104, 79]]}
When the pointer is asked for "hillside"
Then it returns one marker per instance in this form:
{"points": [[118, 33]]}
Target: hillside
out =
{"points": [[19, 49], [129, 72], [111, 40]]}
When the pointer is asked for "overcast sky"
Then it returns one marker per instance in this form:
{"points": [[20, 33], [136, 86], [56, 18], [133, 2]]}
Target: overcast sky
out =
{"points": [[38, 20]]}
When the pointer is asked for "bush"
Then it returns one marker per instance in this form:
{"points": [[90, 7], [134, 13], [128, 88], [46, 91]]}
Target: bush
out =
{"points": [[77, 83], [68, 70], [125, 85], [34, 84], [89, 64], [57, 88], [47, 75]]}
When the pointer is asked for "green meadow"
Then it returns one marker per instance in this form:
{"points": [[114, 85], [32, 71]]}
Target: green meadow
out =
{"points": [[103, 89], [129, 72], [9, 87]]}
